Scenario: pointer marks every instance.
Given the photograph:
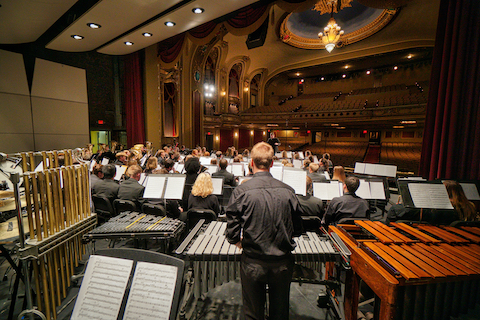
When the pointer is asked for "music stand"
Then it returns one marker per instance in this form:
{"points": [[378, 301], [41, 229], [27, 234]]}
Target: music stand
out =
{"points": [[147, 262]]}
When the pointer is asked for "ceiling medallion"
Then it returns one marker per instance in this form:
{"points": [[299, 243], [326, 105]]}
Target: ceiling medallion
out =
{"points": [[325, 6]]}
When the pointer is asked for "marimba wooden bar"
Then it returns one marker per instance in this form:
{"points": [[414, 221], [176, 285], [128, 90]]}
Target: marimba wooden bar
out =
{"points": [[417, 272]]}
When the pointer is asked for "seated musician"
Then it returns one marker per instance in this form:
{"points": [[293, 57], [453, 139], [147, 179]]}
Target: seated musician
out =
{"points": [[347, 206], [201, 196], [263, 215], [96, 175], [465, 209], [152, 165], [228, 178], [311, 206], [107, 187], [315, 174], [131, 189], [121, 159]]}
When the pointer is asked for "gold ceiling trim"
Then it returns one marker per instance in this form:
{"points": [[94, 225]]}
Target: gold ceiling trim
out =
{"points": [[325, 6], [378, 24]]}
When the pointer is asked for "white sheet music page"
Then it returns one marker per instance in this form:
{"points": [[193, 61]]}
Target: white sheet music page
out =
{"points": [[105, 161], [217, 186], [120, 171], [237, 170], [470, 190], [431, 196], [103, 288], [359, 167], [174, 187], [297, 179], [277, 172], [377, 191], [370, 168], [363, 190], [154, 187], [151, 293]]}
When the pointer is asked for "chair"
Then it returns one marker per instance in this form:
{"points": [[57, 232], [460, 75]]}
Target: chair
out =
{"points": [[124, 205], [462, 223], [103, 207], [194, 215], [154, 209]]}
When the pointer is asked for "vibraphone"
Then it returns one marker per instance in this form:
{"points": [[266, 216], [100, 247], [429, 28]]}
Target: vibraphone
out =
{"points": [[137, 225], [216, 261], [417, 272]]}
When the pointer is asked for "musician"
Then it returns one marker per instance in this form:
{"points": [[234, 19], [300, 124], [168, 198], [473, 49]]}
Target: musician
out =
{"points": [[131, 189], [465, 209], [339, 174], [311, 205], [347, 206], [201, 196], [315, 174], [152, 165], [121, 158], [263, 214], [96, 175], [228, 178], [107, 187], [274, 142]]}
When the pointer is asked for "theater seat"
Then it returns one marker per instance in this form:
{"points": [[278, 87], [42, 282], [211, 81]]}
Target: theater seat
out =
{"points": [[103, 208], [194, 215], [154, 209], [124, 205]]}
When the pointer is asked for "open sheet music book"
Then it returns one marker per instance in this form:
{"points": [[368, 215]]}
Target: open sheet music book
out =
{"points": [[429, 195], [327, 190], [368, 190], [217, 185], [120, 171], [105, 287], [169, 186]]}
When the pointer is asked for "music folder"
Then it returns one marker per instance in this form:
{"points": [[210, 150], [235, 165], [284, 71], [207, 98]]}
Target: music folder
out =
{"points": [[164, 186], [129, 284]]}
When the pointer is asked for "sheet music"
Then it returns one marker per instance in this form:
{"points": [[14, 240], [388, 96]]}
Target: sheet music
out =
{"points": [[211, 168], [217, 186], [241, 179], [377, 191], [103, 288], [105, 161], [470, 190], [289, 154], [300, 154], [370, 168], [363, 190], [327, 191], [359, 167], [237, 170], [151, 293], [174, 187], [154, 187], [277, 172], [315, 159], [427, 195], [327, 175], [297, 163], [297, 179], [143, 179], [204, 161], [120, 171], [92, 164], [179, 167], [143, 160], [245, 167]]}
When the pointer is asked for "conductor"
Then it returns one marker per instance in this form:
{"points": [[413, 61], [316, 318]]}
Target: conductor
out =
{"points": [[274, 142], [263, 214]]}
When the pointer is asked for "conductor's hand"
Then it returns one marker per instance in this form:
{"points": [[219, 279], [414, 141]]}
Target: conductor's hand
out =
{"points": [[239, 244]]}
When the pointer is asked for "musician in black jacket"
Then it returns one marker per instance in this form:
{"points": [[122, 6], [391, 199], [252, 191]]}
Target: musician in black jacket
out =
{"points": [[263, 214], [228, 178]]}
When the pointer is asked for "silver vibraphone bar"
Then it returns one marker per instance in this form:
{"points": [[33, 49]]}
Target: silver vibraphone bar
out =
{"points": [[216, 261], [137, 225]]}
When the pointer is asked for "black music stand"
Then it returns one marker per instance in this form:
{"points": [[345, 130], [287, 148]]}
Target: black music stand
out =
{"points": [[137, 255]]}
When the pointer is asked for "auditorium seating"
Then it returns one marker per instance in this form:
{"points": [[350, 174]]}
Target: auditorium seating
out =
{"points": [[342, 153], [405, 155]]}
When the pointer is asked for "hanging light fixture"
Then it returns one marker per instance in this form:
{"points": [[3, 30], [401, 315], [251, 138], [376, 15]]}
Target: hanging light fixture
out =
{"points": [[332, 33]]}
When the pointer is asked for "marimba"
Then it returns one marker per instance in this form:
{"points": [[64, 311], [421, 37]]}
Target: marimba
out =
{"points": [[137, 225], [417, 272], [216, 261]]}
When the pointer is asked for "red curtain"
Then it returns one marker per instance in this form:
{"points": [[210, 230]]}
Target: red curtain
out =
{"points": [[243, 139], [451, 141], [169, 49], [134, 99], [203, 30], [226, 139], [247, 16]]}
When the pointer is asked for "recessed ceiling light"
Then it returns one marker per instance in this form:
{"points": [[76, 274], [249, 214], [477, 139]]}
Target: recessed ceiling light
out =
{"points": [[297, 74], [347, 66], [395, 68], [198, 10], [128, 43], [322, 78], [94, 25], [344, 76], [409, 56], [170, 23], [368, 71], [147, 34], [77, 37]]}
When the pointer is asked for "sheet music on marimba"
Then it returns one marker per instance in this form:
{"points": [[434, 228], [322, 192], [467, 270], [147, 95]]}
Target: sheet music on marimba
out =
{"points": [[429, 195], [104, 287], [327, 190], [297, 179]]}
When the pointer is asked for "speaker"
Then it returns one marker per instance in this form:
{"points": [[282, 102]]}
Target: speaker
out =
{"points": [[257, 38]]}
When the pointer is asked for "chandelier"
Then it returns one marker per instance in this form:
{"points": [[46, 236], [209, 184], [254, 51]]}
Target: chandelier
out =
{"points": [[331, 34]]}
